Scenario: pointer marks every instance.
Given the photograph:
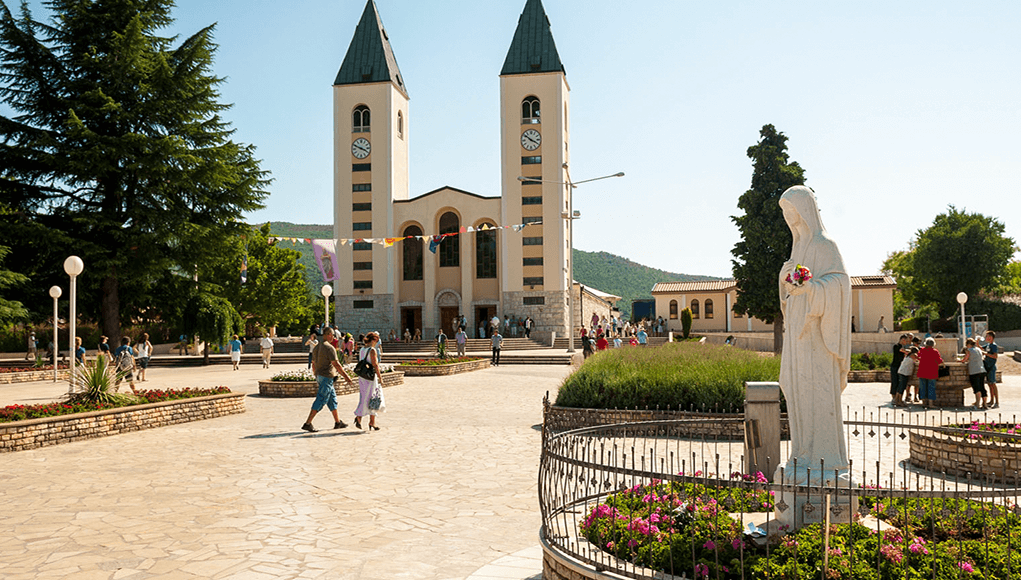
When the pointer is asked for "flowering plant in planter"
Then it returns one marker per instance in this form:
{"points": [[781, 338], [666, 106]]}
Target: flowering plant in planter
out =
{"points": [[21, 412], [424, 362], [294, 376]]}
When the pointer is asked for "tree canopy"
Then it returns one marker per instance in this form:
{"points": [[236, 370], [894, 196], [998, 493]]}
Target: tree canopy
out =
{"points": [[765, 238], [212, 318], [116, 151], [959, 252], [10, 310]]}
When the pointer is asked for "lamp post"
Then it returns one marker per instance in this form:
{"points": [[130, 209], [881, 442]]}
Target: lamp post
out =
{"points": [[327, 291], [570, 215], [961, 299], [55, 293], [74, 266]]}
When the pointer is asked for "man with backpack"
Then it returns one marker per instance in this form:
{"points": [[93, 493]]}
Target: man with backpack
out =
{"points": [[124, 359]]}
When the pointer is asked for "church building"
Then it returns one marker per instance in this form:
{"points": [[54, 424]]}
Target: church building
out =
{"points": [[478, 273]]}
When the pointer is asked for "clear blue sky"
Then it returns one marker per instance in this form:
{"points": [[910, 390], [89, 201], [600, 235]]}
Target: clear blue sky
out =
{"points": [[895, 109]]}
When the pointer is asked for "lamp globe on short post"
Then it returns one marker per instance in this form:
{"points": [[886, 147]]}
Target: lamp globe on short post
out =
{"points": [[55, 293], [74, 266], [327, 292], [962, 298]]}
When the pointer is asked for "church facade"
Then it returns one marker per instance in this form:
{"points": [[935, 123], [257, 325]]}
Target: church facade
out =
{"points": [[477, 274]]}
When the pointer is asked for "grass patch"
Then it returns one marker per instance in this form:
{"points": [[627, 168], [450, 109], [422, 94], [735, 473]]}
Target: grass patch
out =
{"points": [[673, 376]]}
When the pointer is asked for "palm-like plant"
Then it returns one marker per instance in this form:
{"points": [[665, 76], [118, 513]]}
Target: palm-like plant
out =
{"points": [[97, 383], [441, 349]]}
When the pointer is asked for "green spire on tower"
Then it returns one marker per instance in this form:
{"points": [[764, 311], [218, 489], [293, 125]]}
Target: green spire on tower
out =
{"points": [[370, 59], [533, 49]]}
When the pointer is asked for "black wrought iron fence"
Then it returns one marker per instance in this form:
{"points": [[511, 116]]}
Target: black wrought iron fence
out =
{"points": [[660, 499]]}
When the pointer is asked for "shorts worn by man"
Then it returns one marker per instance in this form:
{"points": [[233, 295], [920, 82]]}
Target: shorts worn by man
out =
{"points": [[326, 367]]}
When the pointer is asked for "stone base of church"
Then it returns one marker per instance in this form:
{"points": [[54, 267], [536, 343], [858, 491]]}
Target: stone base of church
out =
{"points": [[357, 321], [549, 317]]}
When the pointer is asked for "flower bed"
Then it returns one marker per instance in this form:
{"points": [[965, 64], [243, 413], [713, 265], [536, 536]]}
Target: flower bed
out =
{"points": [[426, 368], [43, 431], [56, 409], [975, 449], [285, 389], [690, 529], [435, 362]]}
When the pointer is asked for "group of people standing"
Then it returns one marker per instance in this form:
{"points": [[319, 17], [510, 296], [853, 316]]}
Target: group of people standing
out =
{"points": [[325, 362], [913, 357]]}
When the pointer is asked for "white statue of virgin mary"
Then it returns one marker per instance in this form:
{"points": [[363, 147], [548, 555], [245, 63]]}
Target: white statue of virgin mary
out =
{"points": [[816, 351]]}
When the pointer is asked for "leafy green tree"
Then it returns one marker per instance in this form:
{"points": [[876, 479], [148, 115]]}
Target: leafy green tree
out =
{"points": [[959, 252], [765, 238], [10, 310], [116, 150], [212, 318], [275, 292]]}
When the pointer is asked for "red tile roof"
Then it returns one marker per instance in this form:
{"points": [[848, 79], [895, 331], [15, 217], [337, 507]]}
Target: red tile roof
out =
{"points": [[857, 283]]}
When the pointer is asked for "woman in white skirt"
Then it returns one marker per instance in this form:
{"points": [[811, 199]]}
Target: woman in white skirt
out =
{"points": [[367, 388]]}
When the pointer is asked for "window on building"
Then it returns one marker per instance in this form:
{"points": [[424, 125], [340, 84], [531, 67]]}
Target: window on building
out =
{"points": [[530, 111], [534, 241], [694, 309], [532, 220], [532, 200], [531, 160], [534, 300], [400, 124], [532, 281], [366, 304], [531, 261], [412, 249], [673, 310], [360, 246], [360, 119], [361, 226], [361, 207], [361, 167], [362, 266], [485, 253], [361, 187], [450, 247], [363, 284], [708, 308]]}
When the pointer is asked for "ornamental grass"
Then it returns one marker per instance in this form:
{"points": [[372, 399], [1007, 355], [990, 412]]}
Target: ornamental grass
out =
{"points": [[686, 376]]}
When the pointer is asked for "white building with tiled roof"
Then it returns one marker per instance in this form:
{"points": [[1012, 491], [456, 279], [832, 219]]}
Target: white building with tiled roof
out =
{"points": [[712, 304]]}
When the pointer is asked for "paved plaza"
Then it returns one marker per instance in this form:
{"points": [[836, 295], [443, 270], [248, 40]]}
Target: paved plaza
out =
{"points": [[447, 488]]}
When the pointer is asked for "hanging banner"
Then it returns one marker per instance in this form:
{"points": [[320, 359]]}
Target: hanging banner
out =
{"points": [[326, 258], [434, 241]]}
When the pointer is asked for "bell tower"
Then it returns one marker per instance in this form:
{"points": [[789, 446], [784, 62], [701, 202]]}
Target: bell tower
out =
{"points": [[535, 143], [370, 171]]}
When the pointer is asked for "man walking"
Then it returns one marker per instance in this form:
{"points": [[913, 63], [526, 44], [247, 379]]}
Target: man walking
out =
{"points": [[461, 338], [326, 367], [30, 355], [497, 344], [528, 327], [267, 350]]}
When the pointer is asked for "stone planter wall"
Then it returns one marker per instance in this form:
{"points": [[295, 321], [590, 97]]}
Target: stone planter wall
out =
{"points": [[959, 456], [310, 388], [29, 376], [32, 433], [443, 370], [721, 426]]}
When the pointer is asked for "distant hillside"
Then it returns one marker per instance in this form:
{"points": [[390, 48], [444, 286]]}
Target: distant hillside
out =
{"points": [[601, 270], [622, 277]]}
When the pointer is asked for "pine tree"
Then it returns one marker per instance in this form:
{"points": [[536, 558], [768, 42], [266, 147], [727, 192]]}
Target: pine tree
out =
{"points": [[116, 150], [765, 238]]}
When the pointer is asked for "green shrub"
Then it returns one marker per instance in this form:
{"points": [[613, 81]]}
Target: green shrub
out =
{"points": [[916, 323], [674, 376], [686, 322], [871, 361]]}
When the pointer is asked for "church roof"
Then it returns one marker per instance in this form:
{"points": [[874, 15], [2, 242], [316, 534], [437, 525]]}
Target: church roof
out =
{"points": [[369, 58], [532, 50]]}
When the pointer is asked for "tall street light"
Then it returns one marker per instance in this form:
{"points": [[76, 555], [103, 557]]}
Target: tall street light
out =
{"points": [[961, 299], [327, 292], [55, 293], [74, 266], [570, 215]]}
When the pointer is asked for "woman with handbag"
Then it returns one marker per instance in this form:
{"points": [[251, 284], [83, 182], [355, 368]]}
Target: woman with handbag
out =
{"points": [[370, 399]]}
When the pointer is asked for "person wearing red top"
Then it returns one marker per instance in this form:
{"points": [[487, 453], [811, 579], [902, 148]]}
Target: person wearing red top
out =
{"points": [[601, 344], [929, 361]]}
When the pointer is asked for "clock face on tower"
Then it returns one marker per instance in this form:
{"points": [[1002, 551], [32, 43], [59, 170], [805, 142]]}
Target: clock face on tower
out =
{"points": [[361, 148], [531, 139]]}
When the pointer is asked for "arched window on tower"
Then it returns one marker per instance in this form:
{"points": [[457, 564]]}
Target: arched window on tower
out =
{"points": [[360, 119], [412, 249], [530, 111], [708, 308], [673, 310], [694, 309], [485, 253], [400, 124], [450, 247]]}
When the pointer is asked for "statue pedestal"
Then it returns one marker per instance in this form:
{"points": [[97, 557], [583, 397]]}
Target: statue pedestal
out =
{"points": [[805, 503]]}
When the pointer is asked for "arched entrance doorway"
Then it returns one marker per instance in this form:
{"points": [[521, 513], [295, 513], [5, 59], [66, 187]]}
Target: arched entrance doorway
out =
{"points": [[450, 311]]}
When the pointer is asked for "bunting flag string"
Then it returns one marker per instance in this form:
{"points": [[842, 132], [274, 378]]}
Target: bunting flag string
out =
{"points": [[434, 240]]}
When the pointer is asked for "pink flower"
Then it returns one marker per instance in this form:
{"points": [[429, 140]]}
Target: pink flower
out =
{"points": [[737, 543], [701, 571], [709, 545], [966, 567]]}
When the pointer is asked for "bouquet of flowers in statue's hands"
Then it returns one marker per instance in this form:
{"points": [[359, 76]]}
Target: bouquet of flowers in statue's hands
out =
{"points": [[799, 276]]}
